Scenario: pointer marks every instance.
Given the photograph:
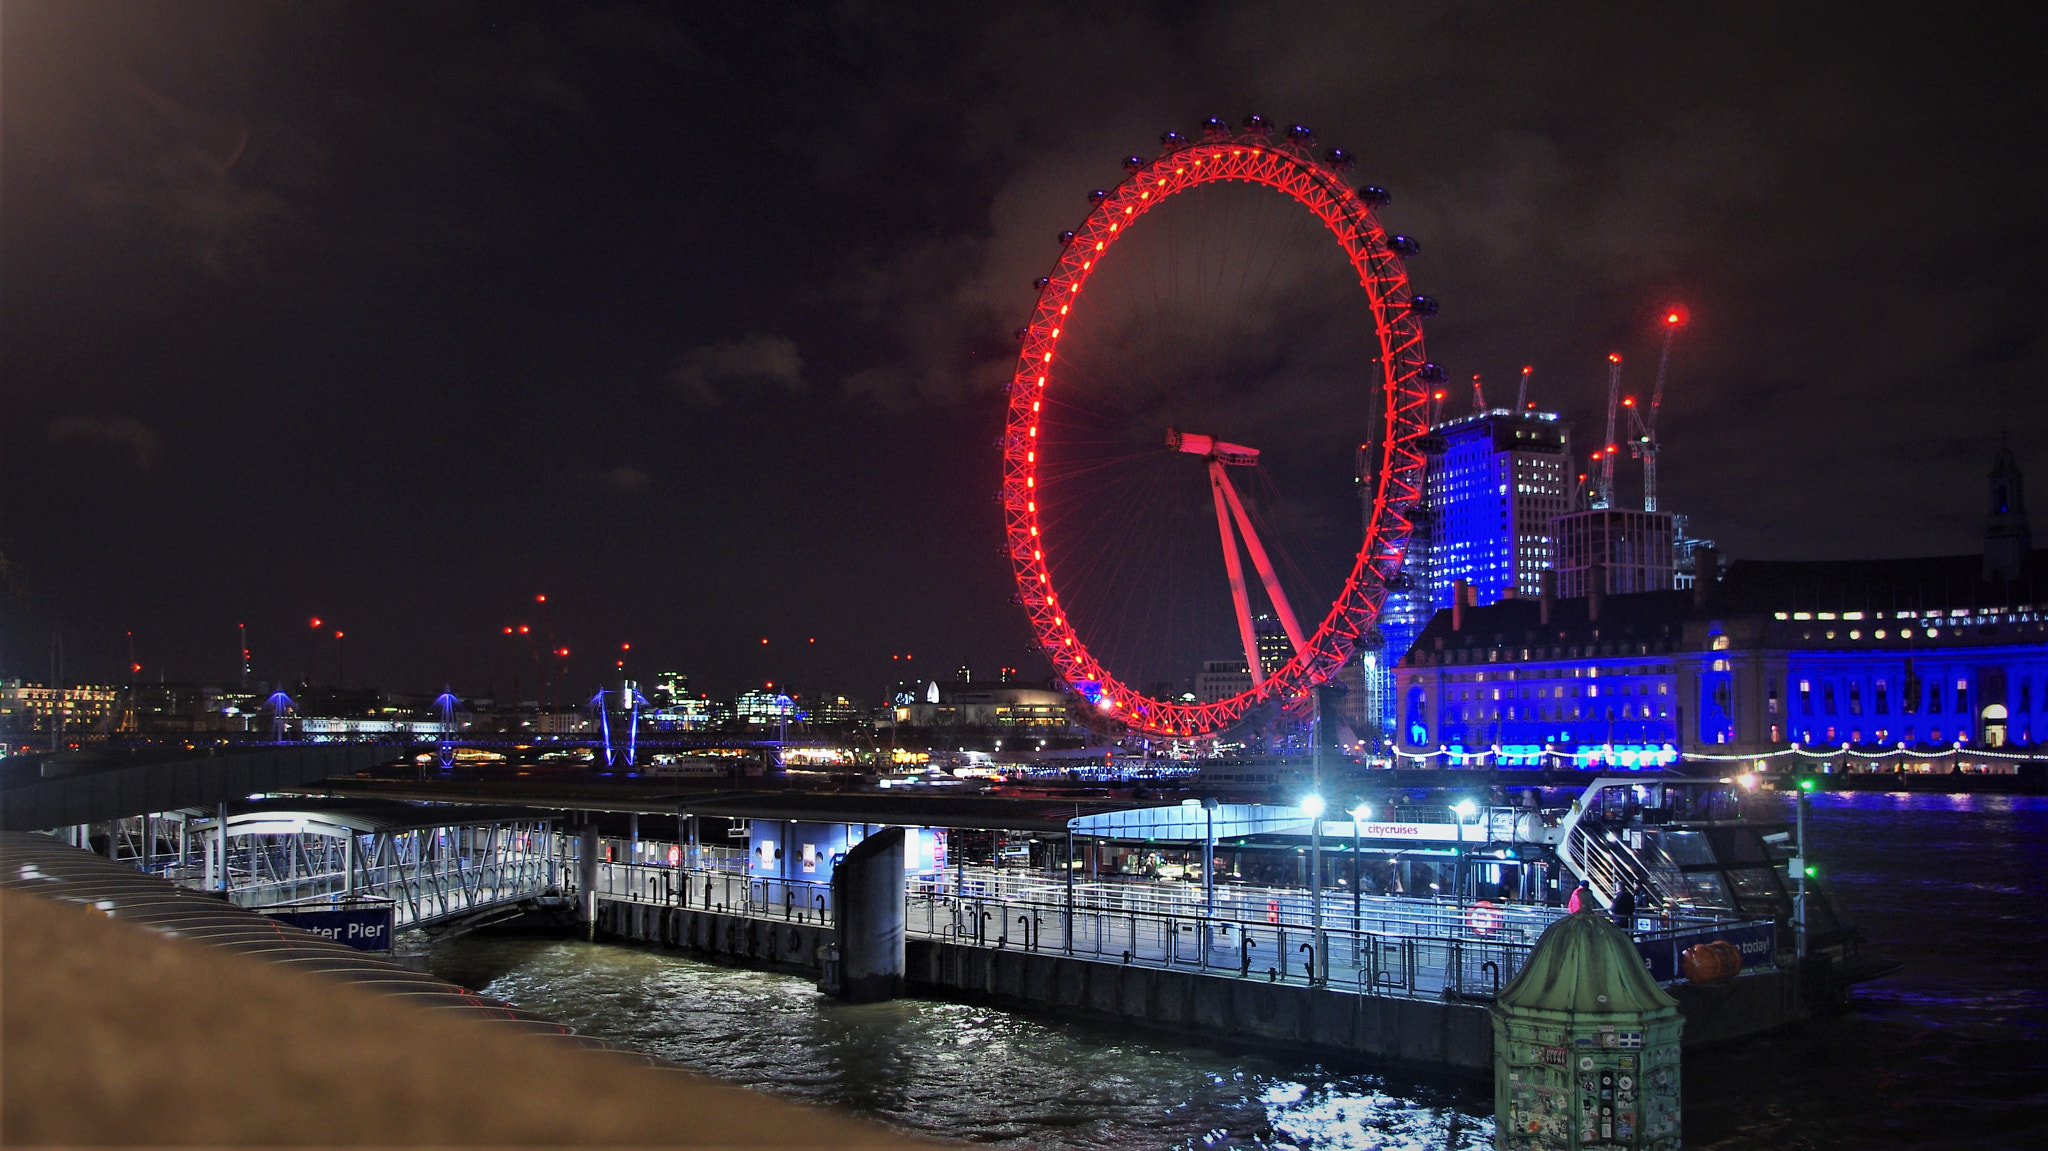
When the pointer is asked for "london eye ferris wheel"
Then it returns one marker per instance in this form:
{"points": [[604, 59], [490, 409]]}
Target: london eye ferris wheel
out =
{"points": [[1201, 366]]}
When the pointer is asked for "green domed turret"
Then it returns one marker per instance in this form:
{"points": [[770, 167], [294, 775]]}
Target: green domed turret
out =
{"points": [[1586, 964], [1585, 1046]]}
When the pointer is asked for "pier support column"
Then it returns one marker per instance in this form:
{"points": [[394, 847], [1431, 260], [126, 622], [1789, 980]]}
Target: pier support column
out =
{"points": [[867, 891], [586, 878]]}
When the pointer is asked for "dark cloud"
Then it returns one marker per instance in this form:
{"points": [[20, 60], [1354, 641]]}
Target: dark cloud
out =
{"points": [[703, 374], [343, 256], [131, 437], [623, 480]]}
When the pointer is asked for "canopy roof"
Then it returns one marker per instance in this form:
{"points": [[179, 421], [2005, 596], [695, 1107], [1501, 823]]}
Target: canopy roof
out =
{"points": [[1191, 821]]}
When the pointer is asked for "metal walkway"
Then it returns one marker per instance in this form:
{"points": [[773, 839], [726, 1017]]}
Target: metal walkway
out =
{"points": [[431, 865]]}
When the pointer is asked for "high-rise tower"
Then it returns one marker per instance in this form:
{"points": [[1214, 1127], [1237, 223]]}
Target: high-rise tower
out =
{"points": [[1627, 551], [1494, 489], [1495, 480]]}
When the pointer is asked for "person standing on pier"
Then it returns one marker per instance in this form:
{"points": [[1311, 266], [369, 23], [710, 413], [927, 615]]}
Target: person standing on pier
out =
{"points": [[1582, 898], [1625, 907]]}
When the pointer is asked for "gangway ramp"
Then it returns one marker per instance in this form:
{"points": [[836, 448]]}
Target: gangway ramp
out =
{"points": [[431, 863]]}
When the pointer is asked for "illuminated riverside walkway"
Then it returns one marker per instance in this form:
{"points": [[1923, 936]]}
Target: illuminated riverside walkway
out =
{"points": [[1429, 949], [439, 864]]}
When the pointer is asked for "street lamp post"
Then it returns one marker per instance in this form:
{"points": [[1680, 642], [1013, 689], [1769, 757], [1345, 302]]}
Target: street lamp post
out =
{"points": [[1313, 808], [1799, 872], [1209, 806], [1464, 809], [1359, 815]]}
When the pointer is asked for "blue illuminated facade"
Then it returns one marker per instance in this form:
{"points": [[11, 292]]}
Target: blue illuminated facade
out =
{"points": [[1495, 482], [1543, 682], [1920, 653], [1773, 655]]}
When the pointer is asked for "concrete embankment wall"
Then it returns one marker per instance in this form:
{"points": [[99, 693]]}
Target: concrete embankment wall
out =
{"points": [[1440, 1036]]}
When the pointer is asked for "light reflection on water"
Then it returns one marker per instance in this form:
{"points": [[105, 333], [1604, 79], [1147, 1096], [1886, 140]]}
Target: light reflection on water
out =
{"points": [[960, 1071]]}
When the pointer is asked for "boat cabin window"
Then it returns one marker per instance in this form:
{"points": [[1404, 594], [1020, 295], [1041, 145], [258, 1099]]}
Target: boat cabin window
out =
{"points": [[1755, 883], [1707, 890], [1682, 848], [1739, 846]]}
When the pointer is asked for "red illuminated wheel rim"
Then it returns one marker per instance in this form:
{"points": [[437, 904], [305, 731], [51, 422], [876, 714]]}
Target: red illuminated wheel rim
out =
{"points": [[1400, 373]]}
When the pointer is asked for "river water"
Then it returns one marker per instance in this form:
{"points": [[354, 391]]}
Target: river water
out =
{"points": [[1950, 1052]]}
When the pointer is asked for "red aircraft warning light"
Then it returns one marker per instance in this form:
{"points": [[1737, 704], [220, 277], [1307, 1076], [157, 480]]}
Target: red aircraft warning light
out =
{"points": [[1675, 316], [315, 622]]}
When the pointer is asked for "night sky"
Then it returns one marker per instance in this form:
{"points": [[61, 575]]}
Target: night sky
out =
{"points": [[695, 318]]}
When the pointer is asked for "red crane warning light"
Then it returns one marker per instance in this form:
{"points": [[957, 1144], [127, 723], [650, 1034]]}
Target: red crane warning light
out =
{"points": [[1676, 316]]}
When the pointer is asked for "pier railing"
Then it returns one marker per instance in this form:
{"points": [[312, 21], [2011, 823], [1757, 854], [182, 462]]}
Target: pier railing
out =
{"points": [[1342, 958], [728, 892]]}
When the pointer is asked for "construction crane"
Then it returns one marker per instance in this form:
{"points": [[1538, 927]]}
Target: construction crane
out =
{"points": [[1644, 445], [1604, 498], [1478, 396], [1522, 390]]}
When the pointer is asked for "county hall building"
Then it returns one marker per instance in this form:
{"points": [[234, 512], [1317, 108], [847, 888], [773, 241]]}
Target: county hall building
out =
{"points": [[1924, 653]]}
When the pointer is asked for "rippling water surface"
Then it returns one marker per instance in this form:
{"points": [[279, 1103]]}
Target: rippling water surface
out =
{"points": [[1950, 1052]]}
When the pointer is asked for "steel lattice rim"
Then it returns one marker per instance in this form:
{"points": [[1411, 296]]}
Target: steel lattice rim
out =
{"points": [[1403, 377]]}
